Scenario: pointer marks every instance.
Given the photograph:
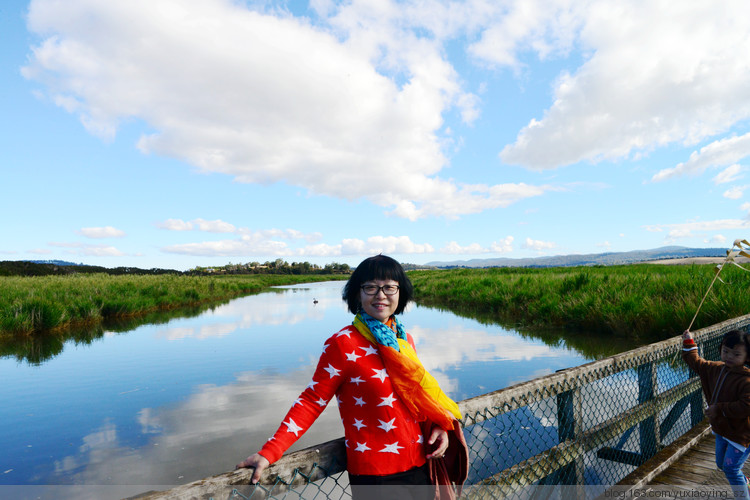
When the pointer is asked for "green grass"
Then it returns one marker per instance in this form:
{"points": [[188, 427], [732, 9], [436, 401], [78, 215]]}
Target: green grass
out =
{"points": [[641, 302], [46, 303]]}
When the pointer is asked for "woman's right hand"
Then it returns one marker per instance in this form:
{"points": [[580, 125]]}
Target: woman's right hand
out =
{"points": [[258, 462]]}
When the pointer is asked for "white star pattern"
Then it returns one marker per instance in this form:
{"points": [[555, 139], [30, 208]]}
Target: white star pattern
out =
{"points": [[387, 426], [369, 350], [381, 374], [381, 433], [388, 401], [362, 447], [392, 448], [352, 356], [333, 372], [291, 426]]}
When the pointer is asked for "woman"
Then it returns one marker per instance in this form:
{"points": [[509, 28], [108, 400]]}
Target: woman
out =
{"points": [[396, 419]]}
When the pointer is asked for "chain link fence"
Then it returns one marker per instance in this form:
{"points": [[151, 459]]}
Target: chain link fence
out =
{"points": [[588, 426]]}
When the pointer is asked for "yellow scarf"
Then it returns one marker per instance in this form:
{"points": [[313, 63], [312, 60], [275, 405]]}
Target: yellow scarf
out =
{"points": [[417, 388]]}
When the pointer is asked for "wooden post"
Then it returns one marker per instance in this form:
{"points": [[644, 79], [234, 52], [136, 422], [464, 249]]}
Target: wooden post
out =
{"points": [[569, 425], [649, 428]]}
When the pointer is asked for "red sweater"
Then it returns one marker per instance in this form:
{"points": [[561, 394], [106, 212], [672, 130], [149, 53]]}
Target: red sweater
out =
{"points": [[380, 434], [733, 398]]}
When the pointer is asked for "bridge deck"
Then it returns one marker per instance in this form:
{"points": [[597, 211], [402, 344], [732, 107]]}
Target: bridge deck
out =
{"points": [[695, 470]]}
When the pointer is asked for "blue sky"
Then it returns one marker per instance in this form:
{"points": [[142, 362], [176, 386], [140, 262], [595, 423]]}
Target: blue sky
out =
{"points": [[176, 134]]}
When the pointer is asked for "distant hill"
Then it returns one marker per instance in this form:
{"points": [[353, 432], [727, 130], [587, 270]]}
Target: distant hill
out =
{"points": [[55, 262], [602, 259]]}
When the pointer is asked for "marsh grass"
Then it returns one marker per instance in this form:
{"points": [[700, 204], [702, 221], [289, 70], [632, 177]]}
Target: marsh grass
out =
{"points": [[641, 302], [39, 304]]}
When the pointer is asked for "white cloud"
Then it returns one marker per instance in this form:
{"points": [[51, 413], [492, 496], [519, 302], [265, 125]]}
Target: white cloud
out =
{"points": [[454, 248], [689, 229], [716, 239], [718, 153], [262, 244], [231, 248], [271, 98], [175, 225], [384, 244], [542, 26], [503, 246], [538, 245], [735, 192], [214, 226], [343, 103], [101, 232], [729, 174], [211, 226], [658, 73], [89, 250], [248, 235]]}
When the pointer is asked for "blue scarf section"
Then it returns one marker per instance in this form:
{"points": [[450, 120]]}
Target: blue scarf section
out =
{"points": [[382, 332]]}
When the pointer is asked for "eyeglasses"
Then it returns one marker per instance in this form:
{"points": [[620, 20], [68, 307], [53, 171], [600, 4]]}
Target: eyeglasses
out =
{"points": [[375, 289]]}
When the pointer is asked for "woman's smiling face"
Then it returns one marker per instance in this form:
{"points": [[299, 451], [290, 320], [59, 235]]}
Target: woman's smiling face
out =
{"points": [[380, 306]]}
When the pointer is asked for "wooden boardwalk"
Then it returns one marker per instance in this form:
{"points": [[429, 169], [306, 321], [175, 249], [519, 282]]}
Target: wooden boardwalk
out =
{"points": [[695, 470], [686, 466]]}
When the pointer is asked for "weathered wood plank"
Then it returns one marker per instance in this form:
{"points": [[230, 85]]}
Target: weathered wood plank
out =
{"points": [[664, 458], [694, 471], [293, 469]]}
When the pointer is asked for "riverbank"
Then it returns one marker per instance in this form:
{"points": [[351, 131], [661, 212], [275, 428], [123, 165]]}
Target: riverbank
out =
{"points": [[38, 304], [643, 302]]}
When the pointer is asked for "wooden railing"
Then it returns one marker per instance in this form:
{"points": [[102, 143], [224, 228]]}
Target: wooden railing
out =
{"points": [[571, 395]]}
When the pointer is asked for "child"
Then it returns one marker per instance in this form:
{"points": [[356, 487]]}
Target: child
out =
{"points": [[726, 385]]}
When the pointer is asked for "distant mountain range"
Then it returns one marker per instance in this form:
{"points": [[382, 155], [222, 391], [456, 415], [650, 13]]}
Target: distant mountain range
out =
{"points": [[44, 267], [602, 259], [56, 262]]}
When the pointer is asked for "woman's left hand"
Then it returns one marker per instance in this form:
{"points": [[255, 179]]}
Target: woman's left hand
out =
{"points": [[439, 440]]}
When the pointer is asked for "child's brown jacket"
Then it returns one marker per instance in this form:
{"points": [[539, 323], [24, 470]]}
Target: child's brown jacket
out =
{"points": [[732, 398]]}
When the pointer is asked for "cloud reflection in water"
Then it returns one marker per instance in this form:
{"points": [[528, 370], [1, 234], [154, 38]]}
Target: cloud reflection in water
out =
{"points": [[249, 360]]}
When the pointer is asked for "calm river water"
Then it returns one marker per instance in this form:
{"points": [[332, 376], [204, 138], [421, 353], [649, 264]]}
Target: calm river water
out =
{"points": [[171, 403]]}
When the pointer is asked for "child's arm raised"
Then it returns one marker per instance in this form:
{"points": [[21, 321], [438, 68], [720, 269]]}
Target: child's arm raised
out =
{"points": [[690, 351]]}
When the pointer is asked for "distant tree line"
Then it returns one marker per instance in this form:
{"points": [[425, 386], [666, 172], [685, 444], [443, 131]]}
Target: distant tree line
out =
{"points": [[28, 268], [278, 266]]}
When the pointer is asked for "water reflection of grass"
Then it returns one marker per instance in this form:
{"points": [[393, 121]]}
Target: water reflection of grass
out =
{"points": [[592, 345], [642, 303], [38, 348], [46, 304]]}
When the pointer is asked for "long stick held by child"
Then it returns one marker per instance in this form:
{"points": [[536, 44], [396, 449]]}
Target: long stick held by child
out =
{"points": [[731, 255]]}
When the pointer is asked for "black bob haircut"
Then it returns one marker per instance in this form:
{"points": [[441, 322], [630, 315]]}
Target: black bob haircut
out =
{"points": [[736, 337], [378, 267]]}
